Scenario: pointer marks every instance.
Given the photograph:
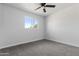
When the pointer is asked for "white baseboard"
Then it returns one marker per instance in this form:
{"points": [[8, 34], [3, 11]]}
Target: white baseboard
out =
{"points": [[70, 44], [19, 43]]}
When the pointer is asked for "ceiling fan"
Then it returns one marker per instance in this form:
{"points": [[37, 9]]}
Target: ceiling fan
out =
{"points": [[44, 5]]}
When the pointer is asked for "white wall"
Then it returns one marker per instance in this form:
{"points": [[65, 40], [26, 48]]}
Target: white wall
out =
{"points": [[13, 31], [63, 26]]}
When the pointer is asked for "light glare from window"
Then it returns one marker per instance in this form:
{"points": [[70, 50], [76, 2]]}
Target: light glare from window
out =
{"points": [[30, 23]]}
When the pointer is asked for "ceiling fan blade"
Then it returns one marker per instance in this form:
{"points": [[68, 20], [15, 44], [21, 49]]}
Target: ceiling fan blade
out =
{"points": [[44, 10], [37, 8], [51, 6]]}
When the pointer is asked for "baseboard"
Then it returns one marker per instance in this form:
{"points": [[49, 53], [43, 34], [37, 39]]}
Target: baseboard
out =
{"points": [[66, 43], [19, 43]]}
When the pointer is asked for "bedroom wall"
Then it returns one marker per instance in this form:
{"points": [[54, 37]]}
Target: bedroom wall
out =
{"points": [[63, 26], [13, 31]]}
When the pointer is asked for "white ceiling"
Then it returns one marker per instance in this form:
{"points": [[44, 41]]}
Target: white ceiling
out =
{"points": [[32, 6]]}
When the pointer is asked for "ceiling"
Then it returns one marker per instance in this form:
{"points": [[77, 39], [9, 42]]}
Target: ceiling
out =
{"points": [[32, 6]]}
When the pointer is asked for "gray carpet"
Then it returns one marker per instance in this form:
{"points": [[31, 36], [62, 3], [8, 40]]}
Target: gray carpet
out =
{"points": [[41, 48]]}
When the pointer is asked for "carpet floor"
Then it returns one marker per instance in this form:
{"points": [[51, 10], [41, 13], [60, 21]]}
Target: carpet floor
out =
{"points": [[41, 48]]}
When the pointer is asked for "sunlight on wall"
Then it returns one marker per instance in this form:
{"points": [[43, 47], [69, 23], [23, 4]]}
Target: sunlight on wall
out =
{"points": [[30, 23]]}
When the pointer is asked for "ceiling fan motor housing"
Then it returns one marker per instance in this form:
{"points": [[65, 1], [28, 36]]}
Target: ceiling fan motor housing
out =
{"points": [[43, 4]]}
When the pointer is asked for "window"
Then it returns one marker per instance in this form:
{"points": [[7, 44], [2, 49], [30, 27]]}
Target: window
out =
{"points": [[30, 23]]}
